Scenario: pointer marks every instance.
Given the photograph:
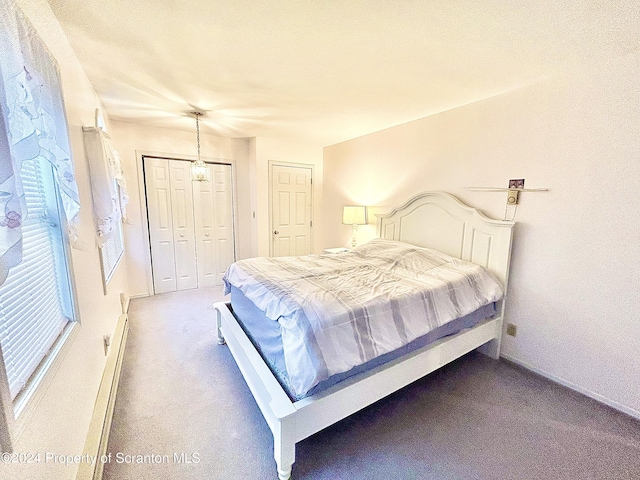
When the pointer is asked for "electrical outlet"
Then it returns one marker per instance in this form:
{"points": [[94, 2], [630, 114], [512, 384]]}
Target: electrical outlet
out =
{"points": [[511, 329]]}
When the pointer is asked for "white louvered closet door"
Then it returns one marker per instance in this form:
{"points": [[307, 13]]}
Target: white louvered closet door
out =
{"points": [[35, 299], [190, 224]]}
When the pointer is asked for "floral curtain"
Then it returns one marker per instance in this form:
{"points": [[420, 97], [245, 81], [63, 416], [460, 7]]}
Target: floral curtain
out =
{"points": [[32, 124], [109, 198]]}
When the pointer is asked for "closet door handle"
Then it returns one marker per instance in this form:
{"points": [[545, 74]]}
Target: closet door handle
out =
{"points": [[276, 232]]}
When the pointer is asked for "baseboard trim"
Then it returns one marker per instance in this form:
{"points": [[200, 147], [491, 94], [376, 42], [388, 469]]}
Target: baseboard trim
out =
{"points": [[98, 437], [596, 396], [140, 295]]}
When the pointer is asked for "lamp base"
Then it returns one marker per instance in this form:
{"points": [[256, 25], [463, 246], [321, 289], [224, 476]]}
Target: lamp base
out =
{"points": [[354, 239]]}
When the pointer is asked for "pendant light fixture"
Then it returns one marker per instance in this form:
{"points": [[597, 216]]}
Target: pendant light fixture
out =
{"points": [[199, 169]]}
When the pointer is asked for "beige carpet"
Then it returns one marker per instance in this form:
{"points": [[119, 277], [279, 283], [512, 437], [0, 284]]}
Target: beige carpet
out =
{"points": [[184, 412]]}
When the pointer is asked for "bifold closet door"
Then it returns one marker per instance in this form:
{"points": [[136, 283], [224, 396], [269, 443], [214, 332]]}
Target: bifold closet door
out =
{"points": [[213, 207], [171, 224]]}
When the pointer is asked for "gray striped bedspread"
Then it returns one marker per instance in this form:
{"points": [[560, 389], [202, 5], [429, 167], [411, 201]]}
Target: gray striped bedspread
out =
{"points": [[337, 311]]}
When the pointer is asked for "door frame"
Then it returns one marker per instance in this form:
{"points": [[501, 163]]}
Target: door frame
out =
{"points": [[144, 214], [274, 163]]}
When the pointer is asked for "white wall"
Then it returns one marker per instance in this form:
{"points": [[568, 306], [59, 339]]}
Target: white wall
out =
{"points": [[60, 420], [575, 277], [130, 140]]}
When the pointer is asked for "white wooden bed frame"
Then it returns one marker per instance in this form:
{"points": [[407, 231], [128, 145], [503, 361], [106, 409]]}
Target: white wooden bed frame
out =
{"points": [[432, 219]]}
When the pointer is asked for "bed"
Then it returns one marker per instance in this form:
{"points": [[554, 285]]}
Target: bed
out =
{"points": [[435, 220]]}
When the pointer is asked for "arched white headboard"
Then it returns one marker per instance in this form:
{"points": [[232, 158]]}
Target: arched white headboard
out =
{"points": [[440, 221]]}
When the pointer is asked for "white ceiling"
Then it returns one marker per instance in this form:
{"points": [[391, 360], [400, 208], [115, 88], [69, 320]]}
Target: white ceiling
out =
{"points": [[324, 71]]}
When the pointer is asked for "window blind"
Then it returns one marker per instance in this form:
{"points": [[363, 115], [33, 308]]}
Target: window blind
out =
{"points": [[35, 300], [112, 250]]}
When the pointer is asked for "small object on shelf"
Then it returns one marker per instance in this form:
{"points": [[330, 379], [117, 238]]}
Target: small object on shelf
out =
{"points": [[516, 183], [336, 250]]}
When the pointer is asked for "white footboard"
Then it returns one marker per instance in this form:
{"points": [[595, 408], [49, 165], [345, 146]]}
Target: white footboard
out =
{"points": [[276, 407], [291, 422]]}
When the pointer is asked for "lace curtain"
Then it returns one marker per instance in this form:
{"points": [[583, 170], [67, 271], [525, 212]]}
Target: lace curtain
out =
{"points": [[108, 184], [32, 124]]}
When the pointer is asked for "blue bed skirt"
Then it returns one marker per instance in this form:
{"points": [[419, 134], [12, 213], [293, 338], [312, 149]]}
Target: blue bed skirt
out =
{"points": [[264, 333]]}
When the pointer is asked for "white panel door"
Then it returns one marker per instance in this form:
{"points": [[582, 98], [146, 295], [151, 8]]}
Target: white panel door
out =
{"points": [[184, 239], [291, 205], [160, 224], [213, 207]]}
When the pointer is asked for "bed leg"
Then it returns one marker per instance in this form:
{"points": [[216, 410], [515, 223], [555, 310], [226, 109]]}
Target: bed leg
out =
{"points": [[284, 449], [284, 474], [491, 349], [221, 340]]}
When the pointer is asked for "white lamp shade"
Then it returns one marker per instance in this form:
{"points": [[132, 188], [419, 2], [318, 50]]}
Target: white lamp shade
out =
{"points": [[354, 215]]}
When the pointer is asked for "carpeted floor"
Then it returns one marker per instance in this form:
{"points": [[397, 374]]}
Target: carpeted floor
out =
{"points": [[183, 411]]}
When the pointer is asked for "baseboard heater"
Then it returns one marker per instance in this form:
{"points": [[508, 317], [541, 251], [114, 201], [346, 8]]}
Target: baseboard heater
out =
{"points": [[98, 436]]}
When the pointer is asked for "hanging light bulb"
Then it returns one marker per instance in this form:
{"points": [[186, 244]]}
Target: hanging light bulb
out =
{"points": [[199, 169]]}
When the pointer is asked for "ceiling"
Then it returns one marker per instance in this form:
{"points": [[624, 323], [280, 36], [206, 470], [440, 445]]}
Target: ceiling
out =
{"points": [[324, 71]]}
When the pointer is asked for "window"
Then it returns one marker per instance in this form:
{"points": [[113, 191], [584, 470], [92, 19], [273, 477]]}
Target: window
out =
{"points": [[36, 303], [109, 192], [113, 249], [39, 205]]}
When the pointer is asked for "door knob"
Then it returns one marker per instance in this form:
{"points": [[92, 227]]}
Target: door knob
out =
{"points": [[275, 232], [182, 234], [206, 234]]}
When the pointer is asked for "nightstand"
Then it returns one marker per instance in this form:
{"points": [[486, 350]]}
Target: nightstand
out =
{"points": [[336, 250]]}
